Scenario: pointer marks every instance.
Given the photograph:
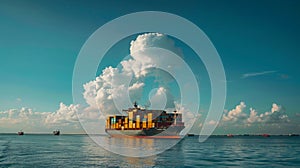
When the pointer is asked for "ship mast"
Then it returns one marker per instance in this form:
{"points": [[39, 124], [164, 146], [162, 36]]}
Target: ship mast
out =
{"points": [[135, 105]]}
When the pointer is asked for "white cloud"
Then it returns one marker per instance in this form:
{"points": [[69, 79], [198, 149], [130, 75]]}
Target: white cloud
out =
{"points": [[275, 108], [14, 120], [158, 98], [23, 115], [64, 115], [136, 86], [114, 83], [253, 117], [151, 40], [236, 114], [239, 115], [33, 121], [277, 115], [257, 74]]}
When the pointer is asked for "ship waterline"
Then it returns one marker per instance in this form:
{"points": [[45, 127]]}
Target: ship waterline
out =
{"points": [[171, 132]]}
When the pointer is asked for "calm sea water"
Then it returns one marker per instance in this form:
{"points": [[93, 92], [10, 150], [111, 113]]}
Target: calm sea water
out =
{"points": [[81, 151]]}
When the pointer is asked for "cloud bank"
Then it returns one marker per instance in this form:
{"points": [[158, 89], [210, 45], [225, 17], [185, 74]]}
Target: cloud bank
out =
{"points": [[65, 118], [239, 114], [27, 119]]}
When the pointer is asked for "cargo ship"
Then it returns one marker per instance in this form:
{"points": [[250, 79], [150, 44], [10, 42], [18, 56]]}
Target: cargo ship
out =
{"points": [[21, 133], [143, 123], [56, 132]]}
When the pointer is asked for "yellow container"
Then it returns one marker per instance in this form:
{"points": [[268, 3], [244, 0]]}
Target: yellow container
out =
{"points": [[144, 124], [149, 120], [126, 123], [138, 120]]}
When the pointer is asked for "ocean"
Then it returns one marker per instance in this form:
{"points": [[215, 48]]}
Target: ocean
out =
{"points": [[217, 151]]}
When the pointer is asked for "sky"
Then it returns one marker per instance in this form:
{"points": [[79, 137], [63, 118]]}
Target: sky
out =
{"points": [[257, 42]]}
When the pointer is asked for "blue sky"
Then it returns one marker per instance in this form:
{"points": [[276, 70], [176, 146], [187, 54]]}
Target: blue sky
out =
{"points": [[40, 41]]}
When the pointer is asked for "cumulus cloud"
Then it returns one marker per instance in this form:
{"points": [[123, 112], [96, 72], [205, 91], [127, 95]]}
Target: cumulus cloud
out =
{"points": [[252, 117], [236, 114], [64, 115], [239, 114], [29, 120], [17, 116], [113, 90], [13, 120], [158, 99], [275, 116], [151, 40]]}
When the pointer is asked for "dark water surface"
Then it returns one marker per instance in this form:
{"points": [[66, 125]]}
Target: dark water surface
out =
{"points": [[81, 151]]}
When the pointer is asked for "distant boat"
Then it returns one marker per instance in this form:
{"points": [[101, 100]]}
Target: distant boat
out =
{"points": [[265, 135], [20, 133], [230, 135], [293, 134], [56, 132], [190, 135]]}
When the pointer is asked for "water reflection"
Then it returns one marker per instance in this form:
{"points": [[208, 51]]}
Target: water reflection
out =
{"points": [[140, 162], [99, 156], [135, 147], [130, 146]]}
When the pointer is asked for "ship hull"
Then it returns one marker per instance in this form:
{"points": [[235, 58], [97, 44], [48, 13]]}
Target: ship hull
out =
{"points": [[171, 132]]}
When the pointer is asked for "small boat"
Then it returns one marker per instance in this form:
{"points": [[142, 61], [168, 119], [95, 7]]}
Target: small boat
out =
{"points": [[293, 135], [20, 133], [265, 135], [56, 132], [190, 135], [230, 135]]}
